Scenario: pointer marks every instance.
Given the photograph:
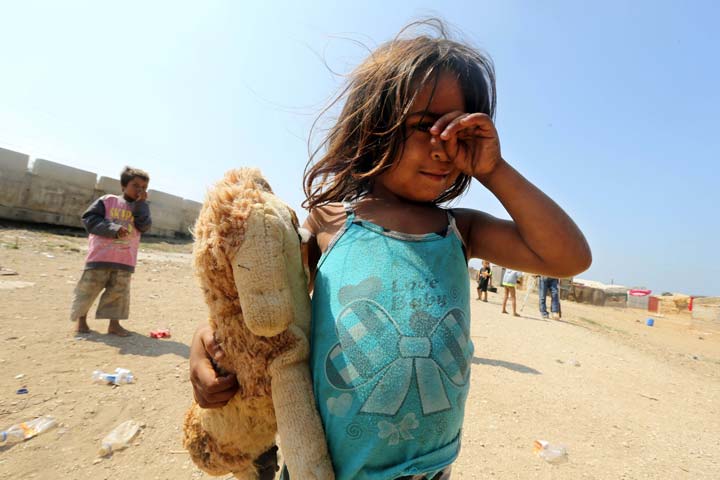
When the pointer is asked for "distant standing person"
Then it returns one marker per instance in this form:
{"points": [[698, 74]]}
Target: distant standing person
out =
{"points": [[543, 286], [115, 224], [484, 280], [509, 282]]}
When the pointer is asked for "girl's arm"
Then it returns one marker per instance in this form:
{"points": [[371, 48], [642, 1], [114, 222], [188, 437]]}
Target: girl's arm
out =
{"points": [[541, 238]]}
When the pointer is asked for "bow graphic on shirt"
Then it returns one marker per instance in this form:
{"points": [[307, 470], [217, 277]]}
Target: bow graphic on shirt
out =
{"points": [[372, 348], [401, 430]]}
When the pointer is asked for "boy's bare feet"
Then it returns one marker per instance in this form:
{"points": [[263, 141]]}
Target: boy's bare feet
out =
{"points": [[82, 326], [115, 329], [504, 311], [515, 314]]}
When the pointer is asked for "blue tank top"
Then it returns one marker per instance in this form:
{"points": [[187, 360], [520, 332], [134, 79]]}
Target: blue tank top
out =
{"points": [[391, 349]]}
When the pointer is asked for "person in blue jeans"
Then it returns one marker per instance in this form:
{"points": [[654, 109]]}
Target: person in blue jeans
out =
{"points": [[552, 284]]}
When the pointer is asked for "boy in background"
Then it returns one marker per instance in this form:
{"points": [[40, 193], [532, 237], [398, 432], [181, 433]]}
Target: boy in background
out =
{"points": [[115, 224]]}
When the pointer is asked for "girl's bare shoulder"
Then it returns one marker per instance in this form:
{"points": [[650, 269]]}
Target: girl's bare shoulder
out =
{"points": [[469, 220], [326, 216], [325, 221]]}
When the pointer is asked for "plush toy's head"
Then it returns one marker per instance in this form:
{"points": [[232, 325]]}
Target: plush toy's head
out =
{"points": [[247, 255]]}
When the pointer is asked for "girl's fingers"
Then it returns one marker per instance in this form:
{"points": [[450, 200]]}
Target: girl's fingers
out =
{"points": [[441, 123], [469, 125], [456, 124]]}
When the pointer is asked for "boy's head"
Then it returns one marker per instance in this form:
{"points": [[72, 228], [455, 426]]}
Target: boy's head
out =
{"points": [[485, 264], [134, 183]]}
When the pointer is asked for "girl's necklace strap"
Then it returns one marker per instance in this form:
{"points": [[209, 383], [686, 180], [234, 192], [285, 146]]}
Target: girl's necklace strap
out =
{"points": [[349, 210]]}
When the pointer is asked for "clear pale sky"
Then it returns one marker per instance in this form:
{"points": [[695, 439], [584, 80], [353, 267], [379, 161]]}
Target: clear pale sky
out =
{"points": [[610, 107]]}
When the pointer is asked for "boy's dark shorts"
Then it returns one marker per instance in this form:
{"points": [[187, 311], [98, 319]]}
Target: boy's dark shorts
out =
{"points": [[115, 301]]}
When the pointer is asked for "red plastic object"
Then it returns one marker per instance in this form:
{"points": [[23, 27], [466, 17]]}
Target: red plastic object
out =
{"points": [[162, 333], [690, 304], [637, 292]]}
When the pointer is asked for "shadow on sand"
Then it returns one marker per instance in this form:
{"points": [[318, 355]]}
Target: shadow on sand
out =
{"points": [[516, 367], [137, 344]]}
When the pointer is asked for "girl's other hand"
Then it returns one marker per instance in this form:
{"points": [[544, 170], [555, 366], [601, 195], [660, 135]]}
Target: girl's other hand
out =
{"points": [[470, 140], [210, 390]]}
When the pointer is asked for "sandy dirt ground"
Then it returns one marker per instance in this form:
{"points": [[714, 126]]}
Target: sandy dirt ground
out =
{"points": [[627, 400]]}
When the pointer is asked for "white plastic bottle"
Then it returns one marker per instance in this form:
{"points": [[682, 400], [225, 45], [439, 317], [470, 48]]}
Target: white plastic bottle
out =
{"points": [[119, 438], [121, 375], [23, 431], [551, 453]]}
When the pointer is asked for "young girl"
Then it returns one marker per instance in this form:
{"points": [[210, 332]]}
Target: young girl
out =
{"points": [[484, 278], [509, 282], [391, 348]]}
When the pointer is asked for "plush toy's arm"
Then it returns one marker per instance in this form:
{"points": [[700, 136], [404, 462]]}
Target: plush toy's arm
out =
{"points": [[301, 433], [261, 278]]}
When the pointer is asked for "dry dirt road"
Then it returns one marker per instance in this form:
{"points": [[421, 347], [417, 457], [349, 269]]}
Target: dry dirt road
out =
{"points": [[628, 401]]}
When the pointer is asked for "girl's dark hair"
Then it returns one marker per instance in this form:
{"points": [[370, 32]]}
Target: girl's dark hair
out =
{"points": [[129, 173], [369, 133]]}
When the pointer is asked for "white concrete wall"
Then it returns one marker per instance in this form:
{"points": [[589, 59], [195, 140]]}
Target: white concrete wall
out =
{"points": [[13, 170], [108, 185], [191, 210], [166, 211], [57, 194]]}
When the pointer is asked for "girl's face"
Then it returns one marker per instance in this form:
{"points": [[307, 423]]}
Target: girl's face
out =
{"points": [[423, 171]]}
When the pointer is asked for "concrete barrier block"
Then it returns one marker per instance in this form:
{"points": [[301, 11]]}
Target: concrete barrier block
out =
{"points": [[65, 201], [166, 218], [13, 163], [109, 185], [14, 178], [164, 200], [166, 211], [64, 174], [191, 210]]}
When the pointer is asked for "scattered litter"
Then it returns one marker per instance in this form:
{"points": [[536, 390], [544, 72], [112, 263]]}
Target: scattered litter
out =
{"points": [[49, 255], [119, 438], [160, 333], [23, 431], [7, 271], [22, 391], [121, 375], [549, 452], [571, 362], [648, 397], [650, 322], [14, 284], [19, 376]]}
